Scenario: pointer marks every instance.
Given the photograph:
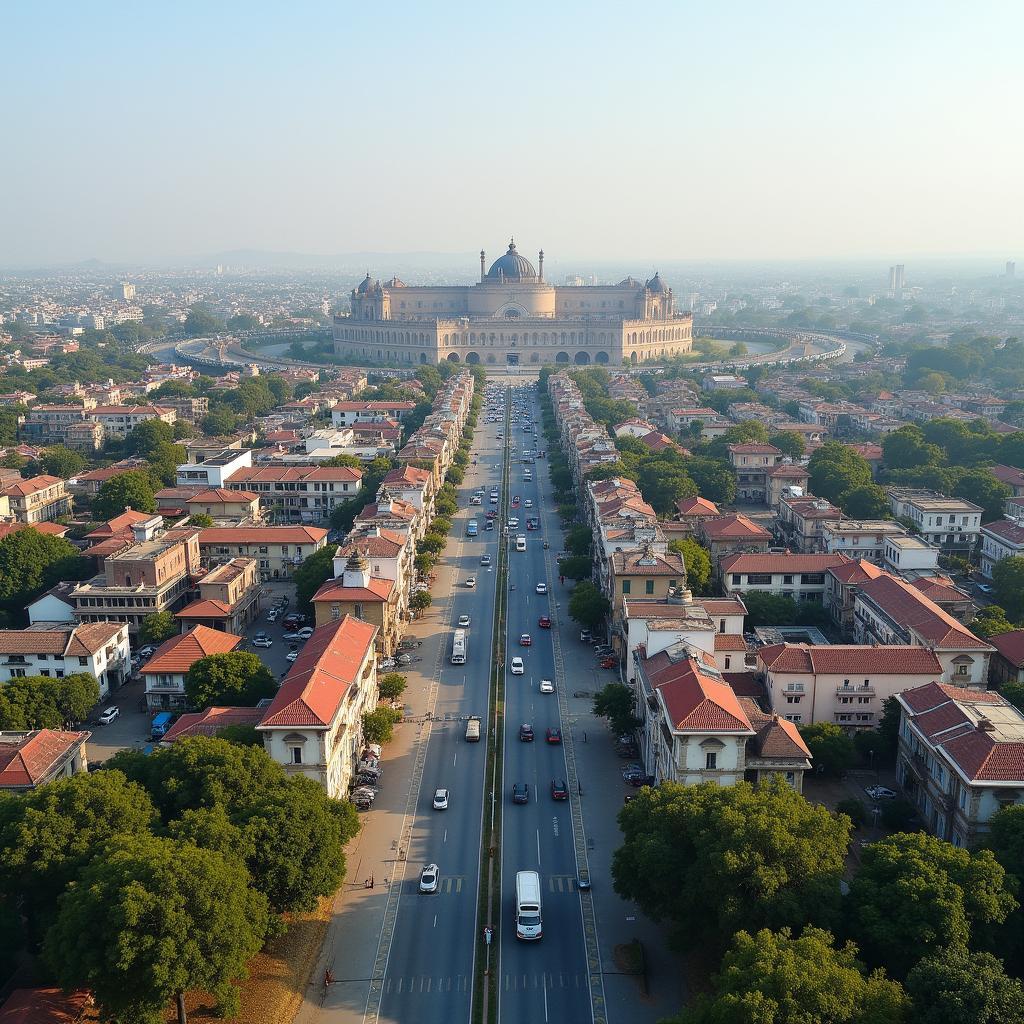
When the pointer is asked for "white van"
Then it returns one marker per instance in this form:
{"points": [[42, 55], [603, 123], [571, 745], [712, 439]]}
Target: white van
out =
{"points": [[521, 542], [528, 918], [473, 730]]}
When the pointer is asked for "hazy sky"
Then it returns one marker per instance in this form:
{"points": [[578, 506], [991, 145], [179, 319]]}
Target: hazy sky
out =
{"points": [[694, 130]]}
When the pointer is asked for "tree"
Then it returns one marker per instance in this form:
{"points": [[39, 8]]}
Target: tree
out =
{"points": [[579, 541], [48, 835], [906, 448], [183, 430], [991, 620], [868, 501], [46, 702], [314, 572], [147, 437], [889, 727], [770, 857], [61, 461], [421, 601], [587, 605], [981, 487], [854, 809], [764, 609], [379, 724], [200, 519], [392, 685], [773, 978], [575, 567], [955, 986], [163, 463], [133, 490], [219, 422], [201, 320], [1008, 581], [157, 628], [152, 919], [915, 893], [342, 460], [424, 563], [831, 749], [244, 735], [31, 562], [616, 703], [431, 542], [698, 563], [715, 479], [835, 469], [232, 679], [243, 322], [789, 442]]}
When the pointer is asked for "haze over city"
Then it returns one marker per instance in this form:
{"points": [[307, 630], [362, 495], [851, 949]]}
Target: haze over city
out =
{"points": [[670, 131]]}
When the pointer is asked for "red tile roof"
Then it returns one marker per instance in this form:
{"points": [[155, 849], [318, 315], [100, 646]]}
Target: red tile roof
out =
{"points": [[908, 606], [27, 758], [119, 524], [1010, 646], [1006, 531], [695, 700], [210, 722], [774, 735], [53, 529], [222, 494], [697, 507], [21, 488], [408, 475], [317, 682], [735, 526], [752, 448], [787, 562], [178, 654], [295, 474], [856, 659], [1008, 475], [261, 535], [378, 590], [722, 605], [939, 590], [44, 1006], [855, 571]]}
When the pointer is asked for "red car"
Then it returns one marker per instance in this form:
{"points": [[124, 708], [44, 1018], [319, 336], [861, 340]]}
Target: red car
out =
{"points": [[609, 662], [554, 736], [544, 622], [525, 640], [559, 790]]}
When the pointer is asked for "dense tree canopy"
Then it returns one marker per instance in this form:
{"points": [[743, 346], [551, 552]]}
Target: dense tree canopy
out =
{"points": [[47, 702], [835, 469], [615, 701], [133, 490], [314, 572], [955, 986], [147, 437], [31, 562], [233, 679], [715, 479], [157, 628], [61, 461], [152, 919], [698, 563], [915, 893], [771, 858], [832, 750], [587, 605], [774, 978], [1008, 580]]}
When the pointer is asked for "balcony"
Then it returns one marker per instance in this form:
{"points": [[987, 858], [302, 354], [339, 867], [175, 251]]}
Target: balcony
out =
{"points": [[858, 691], [794, 689]]}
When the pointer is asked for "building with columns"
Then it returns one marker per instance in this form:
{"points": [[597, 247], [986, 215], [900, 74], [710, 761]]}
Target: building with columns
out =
{"points": [[513, 317]]}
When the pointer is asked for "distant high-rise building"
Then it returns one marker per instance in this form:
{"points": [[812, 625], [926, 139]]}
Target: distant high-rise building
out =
{"points": [[896, 281], [1011, 268], [127, 291]]}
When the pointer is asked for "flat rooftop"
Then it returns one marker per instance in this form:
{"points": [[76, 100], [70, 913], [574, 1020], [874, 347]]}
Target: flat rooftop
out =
{"points": [[791, 635]]}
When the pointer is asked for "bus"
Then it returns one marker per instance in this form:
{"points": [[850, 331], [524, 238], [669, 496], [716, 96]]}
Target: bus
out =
{"points": [[471, 528], [528, 922], [459, 647]]}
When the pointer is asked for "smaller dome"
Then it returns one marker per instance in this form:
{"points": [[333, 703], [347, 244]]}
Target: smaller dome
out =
{"points": [[629, 282], [367, 286], [656, 284], [396, 283]]}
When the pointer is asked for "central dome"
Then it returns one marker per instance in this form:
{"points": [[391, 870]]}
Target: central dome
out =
{"points": [[512, 267]]}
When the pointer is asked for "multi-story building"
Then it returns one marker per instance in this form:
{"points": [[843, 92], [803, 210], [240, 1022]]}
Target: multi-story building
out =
{"points": [[59, 649], [278, 550], [890, 611], [344, 414], [299, 494], [153, 573], [951, 524], [1002, 539], [390, 554], [313, 726], [229, 597], [214, 469], [164, 673], [785, 480], [514, 316], [801, 577], [845, 685], [1008, 660], [960, 758], [645, 573], [373, 599], [802, 522], [120, 420], [35, 758], [842, 582], [860, 538], [221, 503], [39, 499], [732, 534], [190, 409], [909, 557], [750, 463]]}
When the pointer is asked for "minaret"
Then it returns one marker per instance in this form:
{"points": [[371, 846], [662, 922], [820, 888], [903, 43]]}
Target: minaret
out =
{"points": [[483, 273], [540, 267], [357, 571]]}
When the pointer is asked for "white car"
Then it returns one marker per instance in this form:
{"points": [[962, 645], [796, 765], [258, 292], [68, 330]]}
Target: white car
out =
{"points": [[291, 656], [430, 876], [542, 588], [263, 641], [147, 652], [440, 799], [517, 667], [109, 714], [485, 559], [879, 793], [513, 522], [471, 582], [528, 503], [306, 632], [547, 686], [464, 621]]}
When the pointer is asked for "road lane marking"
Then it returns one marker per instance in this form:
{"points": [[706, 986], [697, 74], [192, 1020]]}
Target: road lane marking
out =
{"points": [[538, 847]]}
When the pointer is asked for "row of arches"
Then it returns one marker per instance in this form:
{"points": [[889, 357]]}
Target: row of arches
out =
{"points": [[580, 358]]}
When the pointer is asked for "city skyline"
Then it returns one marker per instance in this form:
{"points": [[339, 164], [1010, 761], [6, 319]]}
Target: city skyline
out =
{"points": [[684, 134]]}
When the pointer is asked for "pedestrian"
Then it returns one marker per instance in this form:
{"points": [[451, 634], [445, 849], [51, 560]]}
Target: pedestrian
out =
{"points": [[584, 735], [371, 881]]}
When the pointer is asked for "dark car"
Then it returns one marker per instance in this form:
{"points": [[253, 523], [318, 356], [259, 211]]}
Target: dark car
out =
{"points": [[521, 793], [554, 736], [559, 790], [526, 733]]}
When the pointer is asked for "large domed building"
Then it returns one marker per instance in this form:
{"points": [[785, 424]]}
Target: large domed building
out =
{"points": [[512, 316]]}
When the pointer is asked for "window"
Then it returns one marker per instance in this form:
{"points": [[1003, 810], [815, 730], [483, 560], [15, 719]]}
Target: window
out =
{"points": [[787, 580], [963, 670], [711, 760], [626, 586], [763, 579], [736, 579], [793, 700], [649, 586], [295, 755]]}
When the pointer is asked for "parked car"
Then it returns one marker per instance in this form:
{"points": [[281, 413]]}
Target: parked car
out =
{"points": [[880, 793], [306, 632], [430, 876], [292, 655], [526, 733], [586, 636], [263, 641], [559, 790], [147, 652], [109, 714], [293, 636], [272, 615], [464, 621]]}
